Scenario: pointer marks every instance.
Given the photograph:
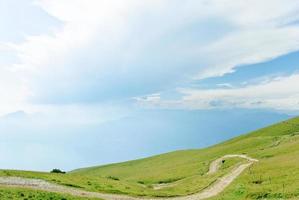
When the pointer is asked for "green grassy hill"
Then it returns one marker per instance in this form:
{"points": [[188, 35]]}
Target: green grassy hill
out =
{"points": [[276, 176]]}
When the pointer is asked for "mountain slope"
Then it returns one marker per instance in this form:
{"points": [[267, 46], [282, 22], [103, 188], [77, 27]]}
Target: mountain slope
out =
{"points": [[275, 176]]}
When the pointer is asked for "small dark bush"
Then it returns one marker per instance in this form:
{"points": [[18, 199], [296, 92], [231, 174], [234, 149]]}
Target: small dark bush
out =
{"points": [[113, 178], [57, 171], [257, 181]]}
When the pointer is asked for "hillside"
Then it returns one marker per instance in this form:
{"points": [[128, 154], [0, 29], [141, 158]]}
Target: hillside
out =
{"points": [[275, 176]]}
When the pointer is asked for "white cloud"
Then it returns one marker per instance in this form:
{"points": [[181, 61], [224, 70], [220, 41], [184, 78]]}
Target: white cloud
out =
{"points": [[261, 34], [256, 13], [82, 19], [12, 90], [282, 93], [247, 47], [12, 93]]}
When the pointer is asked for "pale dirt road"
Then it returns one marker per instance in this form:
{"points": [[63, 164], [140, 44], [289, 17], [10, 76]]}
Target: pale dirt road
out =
{"points": [[211, 191]]}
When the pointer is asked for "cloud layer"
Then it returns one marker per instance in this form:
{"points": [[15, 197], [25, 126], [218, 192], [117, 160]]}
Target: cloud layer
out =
{"points": [[118, 50], [280, 93]]}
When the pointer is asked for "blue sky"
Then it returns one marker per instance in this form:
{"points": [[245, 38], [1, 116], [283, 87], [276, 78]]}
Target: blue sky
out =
{"points": [[82, 80]]}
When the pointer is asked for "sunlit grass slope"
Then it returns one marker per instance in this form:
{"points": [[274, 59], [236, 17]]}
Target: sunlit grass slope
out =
{"points": [[276, 176]]}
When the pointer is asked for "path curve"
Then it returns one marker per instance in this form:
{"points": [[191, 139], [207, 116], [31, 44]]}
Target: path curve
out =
{"points": [[211, 191], [214, 166]]}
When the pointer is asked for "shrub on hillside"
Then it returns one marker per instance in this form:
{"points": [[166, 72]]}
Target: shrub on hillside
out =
{"points": [[113, 178], [57, 171]]}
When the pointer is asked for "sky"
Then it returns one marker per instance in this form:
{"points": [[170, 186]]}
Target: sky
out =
{"points": [[89, 82]]}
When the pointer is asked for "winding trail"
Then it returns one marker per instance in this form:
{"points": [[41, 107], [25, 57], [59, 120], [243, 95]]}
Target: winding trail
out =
{"points": [[211, 191]]}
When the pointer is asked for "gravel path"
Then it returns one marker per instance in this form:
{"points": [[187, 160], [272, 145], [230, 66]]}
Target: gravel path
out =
{"points": [[211, 191]]}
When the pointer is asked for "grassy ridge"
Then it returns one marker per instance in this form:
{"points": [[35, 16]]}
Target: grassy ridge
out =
{"points": [[276, 176]]}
